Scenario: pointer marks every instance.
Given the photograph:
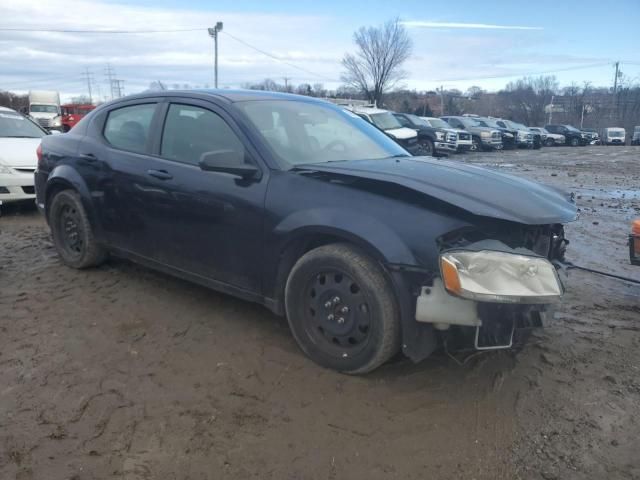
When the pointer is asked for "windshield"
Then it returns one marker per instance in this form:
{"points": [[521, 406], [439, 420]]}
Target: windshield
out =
{"points": [[616, 133], [572, 129], [417, 120], [43, 109], [301, 132], [487, 122], [469, 122], [17, 126], [385, 121], [437, 123]]}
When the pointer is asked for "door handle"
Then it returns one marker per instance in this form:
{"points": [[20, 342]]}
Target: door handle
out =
{"points": [[161, 174], [88, 157]]}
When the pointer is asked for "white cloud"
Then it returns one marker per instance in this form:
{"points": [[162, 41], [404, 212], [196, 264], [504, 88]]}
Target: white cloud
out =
{"points": [[476, 26]]}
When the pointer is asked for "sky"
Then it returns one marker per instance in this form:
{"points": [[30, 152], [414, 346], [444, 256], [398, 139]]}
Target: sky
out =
{"points": [[455, 44]]}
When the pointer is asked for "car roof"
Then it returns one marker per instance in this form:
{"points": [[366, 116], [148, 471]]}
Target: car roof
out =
{"points": [[228, 95]]}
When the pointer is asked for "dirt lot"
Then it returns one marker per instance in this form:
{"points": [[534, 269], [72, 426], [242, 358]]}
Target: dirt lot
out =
{"points": [[121, 372]]}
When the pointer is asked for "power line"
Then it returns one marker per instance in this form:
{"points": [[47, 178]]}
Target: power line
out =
{"points": [[279, 59], [511, 75], [108, 32]]}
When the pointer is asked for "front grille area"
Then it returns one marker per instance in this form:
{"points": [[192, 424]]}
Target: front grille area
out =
{"points": [[44, 122], [24, 169], [496, 136], [464, 136], [452, 137]]}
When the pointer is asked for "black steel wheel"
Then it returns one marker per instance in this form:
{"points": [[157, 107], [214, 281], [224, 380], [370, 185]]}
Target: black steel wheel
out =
{"points": [[342, 310], [72, 233], [427, 148]]}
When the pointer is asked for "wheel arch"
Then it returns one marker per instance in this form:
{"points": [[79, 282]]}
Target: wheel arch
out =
{"points": [[65, 177]]}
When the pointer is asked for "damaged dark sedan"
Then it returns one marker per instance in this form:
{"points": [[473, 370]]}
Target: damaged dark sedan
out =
{"points": [[309, 210]]}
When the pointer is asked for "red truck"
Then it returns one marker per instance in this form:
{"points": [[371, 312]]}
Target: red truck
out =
{"points": [[72, 113]]}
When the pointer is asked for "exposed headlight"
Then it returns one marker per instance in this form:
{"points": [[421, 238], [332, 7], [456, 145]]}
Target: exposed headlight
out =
{"points": [[440, 135], [501, 277], [57, 122], [508, 135], [485, 134], [5, 170]]}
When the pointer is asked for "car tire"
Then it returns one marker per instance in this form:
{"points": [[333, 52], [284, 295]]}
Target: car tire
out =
{"points": [[427, 148], [476, 144], [575, 142], [72, 233], [549, 142], [342, 310]]}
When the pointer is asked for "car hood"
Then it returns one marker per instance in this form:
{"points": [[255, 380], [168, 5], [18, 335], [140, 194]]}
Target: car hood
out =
{"points": [[402, 133], [19, 152], [477, 190]]}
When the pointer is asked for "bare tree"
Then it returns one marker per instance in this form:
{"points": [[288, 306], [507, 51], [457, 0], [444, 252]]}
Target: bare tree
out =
{"points": [[376, 67]]}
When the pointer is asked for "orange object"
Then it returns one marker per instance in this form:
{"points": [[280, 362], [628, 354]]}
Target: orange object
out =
{"points": [[635, 228], [450, 276]]}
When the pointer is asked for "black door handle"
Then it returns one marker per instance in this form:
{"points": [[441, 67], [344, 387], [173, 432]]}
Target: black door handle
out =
{"points": [[89, 157], [161, 174]]}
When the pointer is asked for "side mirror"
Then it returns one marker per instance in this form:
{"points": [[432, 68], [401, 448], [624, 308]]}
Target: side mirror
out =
{"points": [[228, 161]]}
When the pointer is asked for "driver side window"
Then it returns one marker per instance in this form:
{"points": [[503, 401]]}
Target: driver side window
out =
{"points": [[190, 131]]}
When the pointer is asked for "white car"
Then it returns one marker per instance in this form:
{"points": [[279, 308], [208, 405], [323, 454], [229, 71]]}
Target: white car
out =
{"points": [[549, 139], [385, 121], [463, 139], [19, 140]]}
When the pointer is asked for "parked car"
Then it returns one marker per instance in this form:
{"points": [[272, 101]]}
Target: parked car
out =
{"points": [[19, 139], [635, 139], [572, 136], [482, 138], [385, 121], [549, 139], [614, 136], [463, 142], [634, 243], [508, 135], [592, 135], [524, 137], [433, 140], [294, 203]]}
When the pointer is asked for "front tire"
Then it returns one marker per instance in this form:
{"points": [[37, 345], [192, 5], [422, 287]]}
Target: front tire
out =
{"points": [[342, 310], [550, 142], [427, 148], [72, 233], [575, 142]]}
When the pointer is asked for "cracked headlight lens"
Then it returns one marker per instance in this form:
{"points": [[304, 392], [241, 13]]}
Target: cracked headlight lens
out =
{"points": [[502, 277]]}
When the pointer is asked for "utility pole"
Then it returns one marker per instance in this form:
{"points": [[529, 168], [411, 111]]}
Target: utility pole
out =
{"points": [[615, 79], [89, 77], [213, 32], [551, 110], [441, 100], [108, 72], [286, 83]]}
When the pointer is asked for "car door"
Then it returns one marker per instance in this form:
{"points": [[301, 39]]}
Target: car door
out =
{"points": [[204, 222]]}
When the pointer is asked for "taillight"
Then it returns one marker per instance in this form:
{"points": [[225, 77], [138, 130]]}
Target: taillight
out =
{"points": [[40, 157]]}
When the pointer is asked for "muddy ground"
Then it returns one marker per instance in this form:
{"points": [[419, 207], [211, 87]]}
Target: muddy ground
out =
{"points": [[121, 372]]}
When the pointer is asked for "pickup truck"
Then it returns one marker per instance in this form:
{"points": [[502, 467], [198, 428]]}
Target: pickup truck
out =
{"points": [[432, 139], [549, 139], [385, 121], [524, 138], [572, 136], [482, 138], [463, 143]]}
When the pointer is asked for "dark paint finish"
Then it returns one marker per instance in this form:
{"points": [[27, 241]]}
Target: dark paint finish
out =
{"points": [[242, 235]]}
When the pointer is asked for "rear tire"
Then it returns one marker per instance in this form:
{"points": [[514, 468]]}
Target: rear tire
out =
{"points": [[549, 142], [342, 309], [575, 142], [72, 233]]}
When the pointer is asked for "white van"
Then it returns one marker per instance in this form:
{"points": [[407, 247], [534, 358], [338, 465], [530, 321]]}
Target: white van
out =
{"points": [[614, 136]]}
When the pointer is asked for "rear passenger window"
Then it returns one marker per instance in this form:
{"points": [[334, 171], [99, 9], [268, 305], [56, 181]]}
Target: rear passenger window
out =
{"points": [[128, 127], [190, 131]]}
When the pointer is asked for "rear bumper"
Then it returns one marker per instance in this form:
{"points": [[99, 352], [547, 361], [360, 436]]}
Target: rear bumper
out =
{"points": [[16, 187]]}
